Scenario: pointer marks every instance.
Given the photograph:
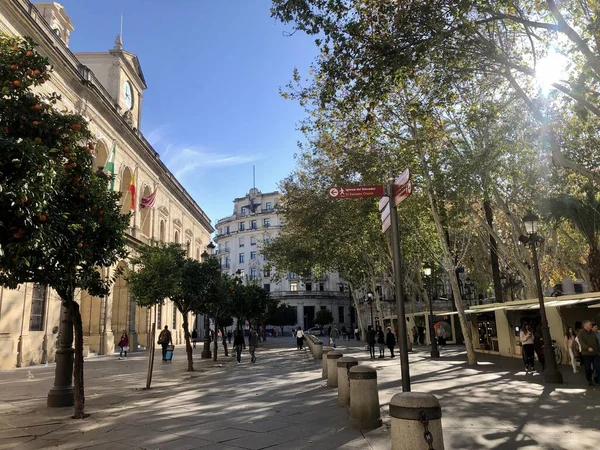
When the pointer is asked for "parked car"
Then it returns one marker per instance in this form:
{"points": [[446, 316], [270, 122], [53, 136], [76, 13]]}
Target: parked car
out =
{"points": [[315, 330]]}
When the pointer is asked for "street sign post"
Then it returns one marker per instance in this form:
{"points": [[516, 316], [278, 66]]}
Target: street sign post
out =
{"points": [[341, 192], [401, 193]]}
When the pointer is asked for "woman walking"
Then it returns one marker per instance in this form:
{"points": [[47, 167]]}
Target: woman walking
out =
{"points": [[390, 341], [123, 344], [569, 343], [381, 342], [371, 339], [299, 338], [528, 349]]}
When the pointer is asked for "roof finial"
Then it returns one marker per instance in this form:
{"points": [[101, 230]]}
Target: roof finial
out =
{"points": [[119, 39]]}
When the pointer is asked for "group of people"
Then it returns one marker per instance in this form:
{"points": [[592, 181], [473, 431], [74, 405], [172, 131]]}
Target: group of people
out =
{"points": [[382, 340], [583, 345]]}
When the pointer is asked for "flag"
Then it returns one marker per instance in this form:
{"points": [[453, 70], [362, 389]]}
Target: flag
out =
{"points": [[110, 165], [150, 200], [131, 189]]}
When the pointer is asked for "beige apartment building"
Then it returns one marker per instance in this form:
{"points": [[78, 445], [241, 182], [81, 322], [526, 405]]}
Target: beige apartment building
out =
{"points": [[107, 89]]}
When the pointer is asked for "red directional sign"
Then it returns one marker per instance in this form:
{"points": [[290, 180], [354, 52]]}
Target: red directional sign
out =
{"points": [[355, 192], [401, 193]]}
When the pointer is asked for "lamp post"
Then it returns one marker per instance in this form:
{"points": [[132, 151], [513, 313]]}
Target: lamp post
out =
{"points": [[370, 302], [551, 374], [239, 276], [435, 353], [206, 353]]}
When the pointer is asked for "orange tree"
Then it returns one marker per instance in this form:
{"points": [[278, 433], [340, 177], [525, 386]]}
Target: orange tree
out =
{"points": [[59, 222]]}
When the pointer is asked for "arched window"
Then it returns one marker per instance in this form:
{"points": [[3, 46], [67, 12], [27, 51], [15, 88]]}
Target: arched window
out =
{"points": [[177, 237]]}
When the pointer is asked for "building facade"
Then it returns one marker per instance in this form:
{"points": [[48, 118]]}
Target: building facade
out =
{"points": [[107, 89], [240, 238]]}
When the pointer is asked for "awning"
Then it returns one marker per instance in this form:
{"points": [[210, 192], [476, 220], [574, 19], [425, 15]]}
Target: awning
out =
{"points": [[573, 302]]}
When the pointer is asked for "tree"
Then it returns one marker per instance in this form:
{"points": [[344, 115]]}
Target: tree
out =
{"points": [[162, 271], [282, 315], [323, 317], [59, 223]]}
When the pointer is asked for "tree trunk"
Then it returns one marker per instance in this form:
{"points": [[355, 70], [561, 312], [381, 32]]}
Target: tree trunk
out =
{"points": [[448, 263], [489, 217], [224, 341], [188, 345], [594, 269], [78, 388], [216, 343]]}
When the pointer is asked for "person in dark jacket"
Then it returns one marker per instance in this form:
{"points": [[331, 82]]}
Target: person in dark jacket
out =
{"points": [[371, 338], [590, 352], [238, 343], [164, 338], [390, 340], [194, 338], [252, 344], [538, 346], [381, 342], [124, 344]]}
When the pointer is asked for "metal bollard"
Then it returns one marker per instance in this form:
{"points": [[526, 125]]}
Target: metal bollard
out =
{"points": [[364, 398], [416, 421], [318, 353], [332, 375], [325, 351], [343, 369]]}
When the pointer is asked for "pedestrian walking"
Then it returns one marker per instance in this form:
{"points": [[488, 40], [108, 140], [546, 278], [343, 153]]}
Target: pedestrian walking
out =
{"points": [[329, 331], [123, 344], [238, 343], [415, 335], [334, 335], [252, 344], [371, 339], [164, 339], [381, 342], [229, 336], [590, 352], [528, 349], [571, 347], [194, 338], [299, 338], [357, 334], [390, 340], [344, 333]]}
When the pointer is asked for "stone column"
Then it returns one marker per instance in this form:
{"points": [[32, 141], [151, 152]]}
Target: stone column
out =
{"points": [[61, 394], [108, 338], [364, 398], [133, 336], [325, 351], [332, 373], [409, 412], [343, 368]]}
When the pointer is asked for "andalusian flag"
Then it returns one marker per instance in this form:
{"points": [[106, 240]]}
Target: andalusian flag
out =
{"points": [[110, 165], [131, 189]]}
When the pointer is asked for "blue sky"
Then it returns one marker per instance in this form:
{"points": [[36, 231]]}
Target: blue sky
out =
{"points": [[213, 68]]}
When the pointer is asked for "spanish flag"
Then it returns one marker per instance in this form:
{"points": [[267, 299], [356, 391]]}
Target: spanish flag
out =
{"points": [[131, 189]]}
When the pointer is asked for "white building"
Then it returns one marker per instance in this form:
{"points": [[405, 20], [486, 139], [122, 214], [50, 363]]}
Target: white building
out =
{"points": [[240, 238]]}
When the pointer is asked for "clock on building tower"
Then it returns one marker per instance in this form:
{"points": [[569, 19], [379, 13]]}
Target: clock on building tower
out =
{"points": [[128, 94]]}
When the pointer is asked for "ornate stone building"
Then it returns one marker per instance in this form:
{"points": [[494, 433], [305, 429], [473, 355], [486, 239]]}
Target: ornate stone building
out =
{"points": [[107, 89], [240, 238]]}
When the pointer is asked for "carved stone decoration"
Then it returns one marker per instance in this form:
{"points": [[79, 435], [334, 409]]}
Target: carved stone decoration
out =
{"points": [[128, 116]]}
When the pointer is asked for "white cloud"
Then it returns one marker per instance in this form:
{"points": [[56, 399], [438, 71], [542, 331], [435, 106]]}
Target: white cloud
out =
{"points": [[184, 159]]}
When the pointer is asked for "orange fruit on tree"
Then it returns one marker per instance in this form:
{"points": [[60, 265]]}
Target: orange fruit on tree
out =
{"points": [[37, 72], [29, 53], [35, 123], [16, 83], [43, 218], [36, 107], [76, 126], [14, 67], [79, 245]]}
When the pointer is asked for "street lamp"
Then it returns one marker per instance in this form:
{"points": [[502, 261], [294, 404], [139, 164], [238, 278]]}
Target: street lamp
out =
{"points": [[206, 353], [435, 353], [370, 302], [551, 374]]}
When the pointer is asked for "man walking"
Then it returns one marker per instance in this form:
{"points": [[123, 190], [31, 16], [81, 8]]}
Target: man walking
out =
{"points": [[334, 335], [590, 352], [164, 338], [194, 338], [252, 344], [238, 343]]}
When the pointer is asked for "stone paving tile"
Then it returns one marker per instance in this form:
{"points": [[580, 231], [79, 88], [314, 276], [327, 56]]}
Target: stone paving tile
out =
{"points": [[259, 441], [227, 435], [262, 426]]}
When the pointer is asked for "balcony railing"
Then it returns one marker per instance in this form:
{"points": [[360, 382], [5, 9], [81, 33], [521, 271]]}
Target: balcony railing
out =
{"points": [[313, 294]]}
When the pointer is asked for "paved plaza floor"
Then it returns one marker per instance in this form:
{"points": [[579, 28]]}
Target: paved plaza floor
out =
{"points": [[281, 402]]}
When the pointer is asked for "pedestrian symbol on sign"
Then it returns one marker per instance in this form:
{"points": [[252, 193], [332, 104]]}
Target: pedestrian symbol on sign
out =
{"points": [[333, 192]]}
